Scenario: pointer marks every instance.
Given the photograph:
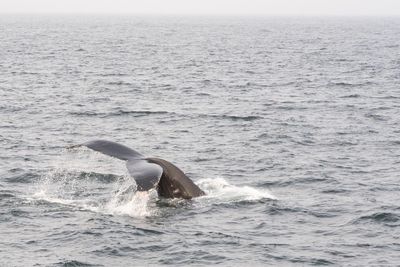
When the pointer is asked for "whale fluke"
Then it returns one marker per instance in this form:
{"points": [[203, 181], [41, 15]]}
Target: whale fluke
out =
{"points": [[149, 173], [113, 149]]}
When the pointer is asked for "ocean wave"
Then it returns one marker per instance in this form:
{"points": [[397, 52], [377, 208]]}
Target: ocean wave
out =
{"points": [[113, 74], [336, 191], [4, 195], [24, 178], [140, 113], [232, 117], [386, 218], [376, 117], [288, 107], [75, 263], [119, 83], [295, 181], [136, 113], [349, 84], [351, 96]]}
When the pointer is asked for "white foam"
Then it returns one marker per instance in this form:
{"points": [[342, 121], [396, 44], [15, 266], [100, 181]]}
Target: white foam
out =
{"points": [[222, 191], [139, 205]]}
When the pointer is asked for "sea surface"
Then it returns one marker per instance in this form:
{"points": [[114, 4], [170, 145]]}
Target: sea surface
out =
{"points": [[290, 125]]}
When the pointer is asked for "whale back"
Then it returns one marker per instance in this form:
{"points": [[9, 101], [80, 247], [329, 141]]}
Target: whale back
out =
{"points": [[174, 183]]}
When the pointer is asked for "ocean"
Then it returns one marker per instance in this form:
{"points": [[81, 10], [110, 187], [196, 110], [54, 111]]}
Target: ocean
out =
{"points": [[291, 125]]}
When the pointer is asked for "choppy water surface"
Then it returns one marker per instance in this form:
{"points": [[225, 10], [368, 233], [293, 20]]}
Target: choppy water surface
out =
{"points": [[291, 126]]}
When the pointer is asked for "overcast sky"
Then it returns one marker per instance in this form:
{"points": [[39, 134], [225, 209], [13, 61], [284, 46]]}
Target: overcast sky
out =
{"points": [[212, 7]]}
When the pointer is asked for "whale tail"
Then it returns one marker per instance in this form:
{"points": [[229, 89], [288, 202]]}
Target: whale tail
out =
{"points": [[149, 173], [146, 174]]}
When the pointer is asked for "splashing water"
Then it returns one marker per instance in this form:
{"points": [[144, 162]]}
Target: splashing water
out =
{"points": [[134, 203], [120, 198], [108, 193], [220, 190]]}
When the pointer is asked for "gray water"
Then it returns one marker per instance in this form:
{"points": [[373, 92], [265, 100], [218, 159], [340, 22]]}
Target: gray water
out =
{"points": [[290, 125]]}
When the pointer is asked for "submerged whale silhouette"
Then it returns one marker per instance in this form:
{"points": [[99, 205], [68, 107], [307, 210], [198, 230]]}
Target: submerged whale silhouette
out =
{"points": [[149, 173]]}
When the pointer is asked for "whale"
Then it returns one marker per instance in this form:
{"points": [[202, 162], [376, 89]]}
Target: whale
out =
{"points": [[149, 172]]}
